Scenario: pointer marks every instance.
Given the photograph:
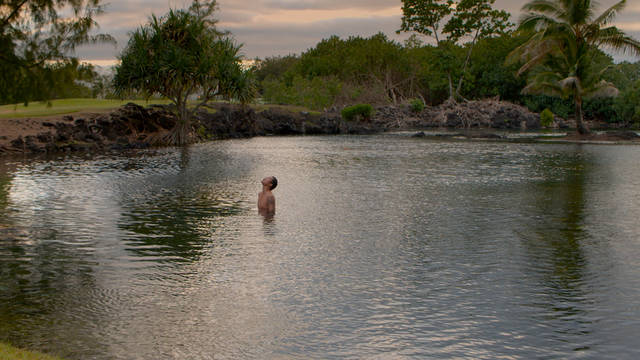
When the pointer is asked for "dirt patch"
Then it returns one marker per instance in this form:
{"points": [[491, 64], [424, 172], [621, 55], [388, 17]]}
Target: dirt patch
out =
{"points": [[11, 129]]}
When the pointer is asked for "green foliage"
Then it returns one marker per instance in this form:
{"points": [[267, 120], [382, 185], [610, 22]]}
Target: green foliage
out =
{"points": [[316, 94], [537, 103], [364, 63], [373, 60], [561, 53], [62, 79], [623, 75], [601, 109], [488, 75], [202, 132], [476, 18], [36, 37], [431, 70], [627, 105], [416, 105], [425, 16], [359, 111], [274, 67], [546, 118], [457, 20]]}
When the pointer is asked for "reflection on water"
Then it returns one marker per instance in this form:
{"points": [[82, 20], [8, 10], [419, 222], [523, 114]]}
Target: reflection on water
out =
{"points": [[554, 242], [383, 246]]}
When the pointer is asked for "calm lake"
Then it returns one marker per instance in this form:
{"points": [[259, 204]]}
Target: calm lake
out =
{"points": [[385, 247]]}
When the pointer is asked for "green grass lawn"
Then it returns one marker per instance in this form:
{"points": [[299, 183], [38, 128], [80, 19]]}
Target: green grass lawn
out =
{"points": [[67, 106], [70, 106], [8, 352]]}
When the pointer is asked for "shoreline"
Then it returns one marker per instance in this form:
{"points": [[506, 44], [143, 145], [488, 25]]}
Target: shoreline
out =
{"points": [[132, 126]]}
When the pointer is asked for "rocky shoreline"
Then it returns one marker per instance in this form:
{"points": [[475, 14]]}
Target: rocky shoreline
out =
{"points": [[133, 127]]}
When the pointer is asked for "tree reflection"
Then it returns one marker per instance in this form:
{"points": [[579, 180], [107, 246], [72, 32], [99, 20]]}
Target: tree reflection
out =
{"points": [[6, 175], [45, 281], [176, 225], [554, 240]]}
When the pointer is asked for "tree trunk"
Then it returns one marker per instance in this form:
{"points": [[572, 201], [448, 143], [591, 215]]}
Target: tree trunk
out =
{"points": [[180, 133], [583, 129], [466, 62], [452, 98]]}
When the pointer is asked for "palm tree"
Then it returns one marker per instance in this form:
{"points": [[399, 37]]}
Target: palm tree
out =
{"points": [[566, 36]]}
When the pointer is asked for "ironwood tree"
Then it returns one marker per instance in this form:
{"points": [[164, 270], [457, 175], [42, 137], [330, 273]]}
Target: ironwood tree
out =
{"points": [[36, 35]]}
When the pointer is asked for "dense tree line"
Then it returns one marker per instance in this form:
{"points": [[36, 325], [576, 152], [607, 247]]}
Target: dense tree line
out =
{"points": [[378, 70]]}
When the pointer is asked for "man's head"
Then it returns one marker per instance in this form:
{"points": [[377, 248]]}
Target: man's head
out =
{"points": [[270, 181]]}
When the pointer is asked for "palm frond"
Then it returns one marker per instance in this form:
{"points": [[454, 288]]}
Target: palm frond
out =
{"points": [[521, 53], [535, 22], [544, 7], [615, 39], [531, 63], [608, 15]]}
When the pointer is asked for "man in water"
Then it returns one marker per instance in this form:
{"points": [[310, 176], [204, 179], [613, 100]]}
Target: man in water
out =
{"points": [[266, 200]]}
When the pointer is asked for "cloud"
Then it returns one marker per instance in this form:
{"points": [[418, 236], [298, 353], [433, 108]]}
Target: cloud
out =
{"points": [[275, 5], [280, 27], [267, 40], [364, 5]]}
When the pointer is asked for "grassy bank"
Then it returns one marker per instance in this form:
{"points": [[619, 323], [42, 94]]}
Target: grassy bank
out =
{"points": [[70, 106], [8, 352], [66, 106]]}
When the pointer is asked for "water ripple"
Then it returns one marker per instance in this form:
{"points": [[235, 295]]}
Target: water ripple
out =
{"points": [[383, 247]]}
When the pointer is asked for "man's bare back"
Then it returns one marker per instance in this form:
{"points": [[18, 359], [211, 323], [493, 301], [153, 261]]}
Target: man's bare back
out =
{"points": [[266, 200]]}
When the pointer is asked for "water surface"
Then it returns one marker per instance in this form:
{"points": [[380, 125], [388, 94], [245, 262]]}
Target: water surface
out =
{"points": [[383, 247]]}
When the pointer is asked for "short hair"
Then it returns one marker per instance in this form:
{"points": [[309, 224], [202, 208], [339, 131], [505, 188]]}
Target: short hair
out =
{"points": [[274, 182]]}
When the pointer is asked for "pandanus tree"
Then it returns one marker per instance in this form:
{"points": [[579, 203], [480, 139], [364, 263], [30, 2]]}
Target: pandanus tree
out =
{"points": [[180, 56], [565, 37]]}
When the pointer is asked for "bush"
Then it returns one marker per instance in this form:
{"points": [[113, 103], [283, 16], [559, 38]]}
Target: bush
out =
{"points": [[546, 118], [361, 110], [416, 105]]}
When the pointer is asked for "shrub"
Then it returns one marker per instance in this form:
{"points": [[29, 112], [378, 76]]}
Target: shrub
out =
{"points": [[350, 113], [417, 105], [546, 118]]}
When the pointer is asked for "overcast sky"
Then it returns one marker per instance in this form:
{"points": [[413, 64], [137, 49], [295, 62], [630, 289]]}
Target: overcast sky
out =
{"points": [[281, 27]]}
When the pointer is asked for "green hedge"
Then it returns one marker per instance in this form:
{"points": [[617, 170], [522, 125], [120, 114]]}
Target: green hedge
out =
{"points": [[363, 111]]}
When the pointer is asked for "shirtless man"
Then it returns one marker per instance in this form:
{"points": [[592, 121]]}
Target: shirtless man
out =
{"points": [[266, 200]]}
